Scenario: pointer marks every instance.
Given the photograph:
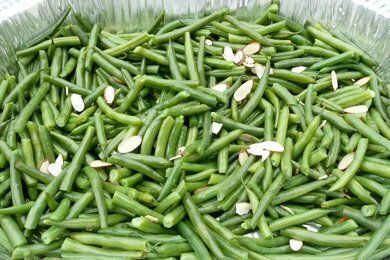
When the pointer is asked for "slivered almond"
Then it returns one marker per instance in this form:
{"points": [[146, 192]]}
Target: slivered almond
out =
{"points": [[54, 169], [287, 209], [295, 244], [216, 127], [298, 69], [129, 144], [248, 62], [60, 160], [66, 90], [258, 69], [239, 57], [272, 146], [44, 166], [362, 81], [243, 208], [335, 83], [181, 152], [252, 234], [243, 91], [99, 164], [313, 227], [346, 161], [228, 54], [246, 137], [109, 95], [256, 149], [323, 123], [323, 177], [221, 87], [77, 102], [151, 218], [265, 155], [208, 42], [359, 109], [242, 157], [251, 48]]}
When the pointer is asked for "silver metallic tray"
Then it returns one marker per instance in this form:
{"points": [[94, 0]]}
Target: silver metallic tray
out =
{"points": [[365, 22]]}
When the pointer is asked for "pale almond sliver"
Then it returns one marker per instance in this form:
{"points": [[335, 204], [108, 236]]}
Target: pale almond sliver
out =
{"points": [[243, 91], [335, 83], [228, 54], [251, 48]]}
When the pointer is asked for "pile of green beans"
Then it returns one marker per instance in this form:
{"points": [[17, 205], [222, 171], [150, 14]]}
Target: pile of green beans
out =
{"points": [[139, 145]]}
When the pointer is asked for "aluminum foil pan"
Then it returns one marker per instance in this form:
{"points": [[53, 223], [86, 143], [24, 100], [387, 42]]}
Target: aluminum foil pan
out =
{"points": [[364, 22]]}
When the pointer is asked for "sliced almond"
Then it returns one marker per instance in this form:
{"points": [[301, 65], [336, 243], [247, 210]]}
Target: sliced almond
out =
{"points": [[239, 57], [258, 148], [151, 218], [60, 160], [362, 81], [248, 62], [313, 227], [243, 91], [66, 90], [295, 244], [109, 95], [359, 109], [181, 153], [99, 164], [216, 127], [77, 102], [271, 71], [243, 208], [175, 157], [251, 48], [54, 169], [323, 123], [130, 144], [273, 146], [335, 83], [221, 87], [346, 161], [242, 157], [208, 42], [246, 137], [323, 177], [258, 69], [228, 54], [287, 209], [298, 69], [265, 155], [44, 166], [252, 234]]}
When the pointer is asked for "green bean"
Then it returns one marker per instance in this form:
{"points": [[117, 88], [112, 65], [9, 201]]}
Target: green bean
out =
{"points": [[252, 103], [324, 239], [13, 232], [232, 125], [138, 166], [305, 138], [200, 226], [268, 196], [176, 33], [112, 114], [364, 130], [70, 245], [129, 45], [71, 172]]}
